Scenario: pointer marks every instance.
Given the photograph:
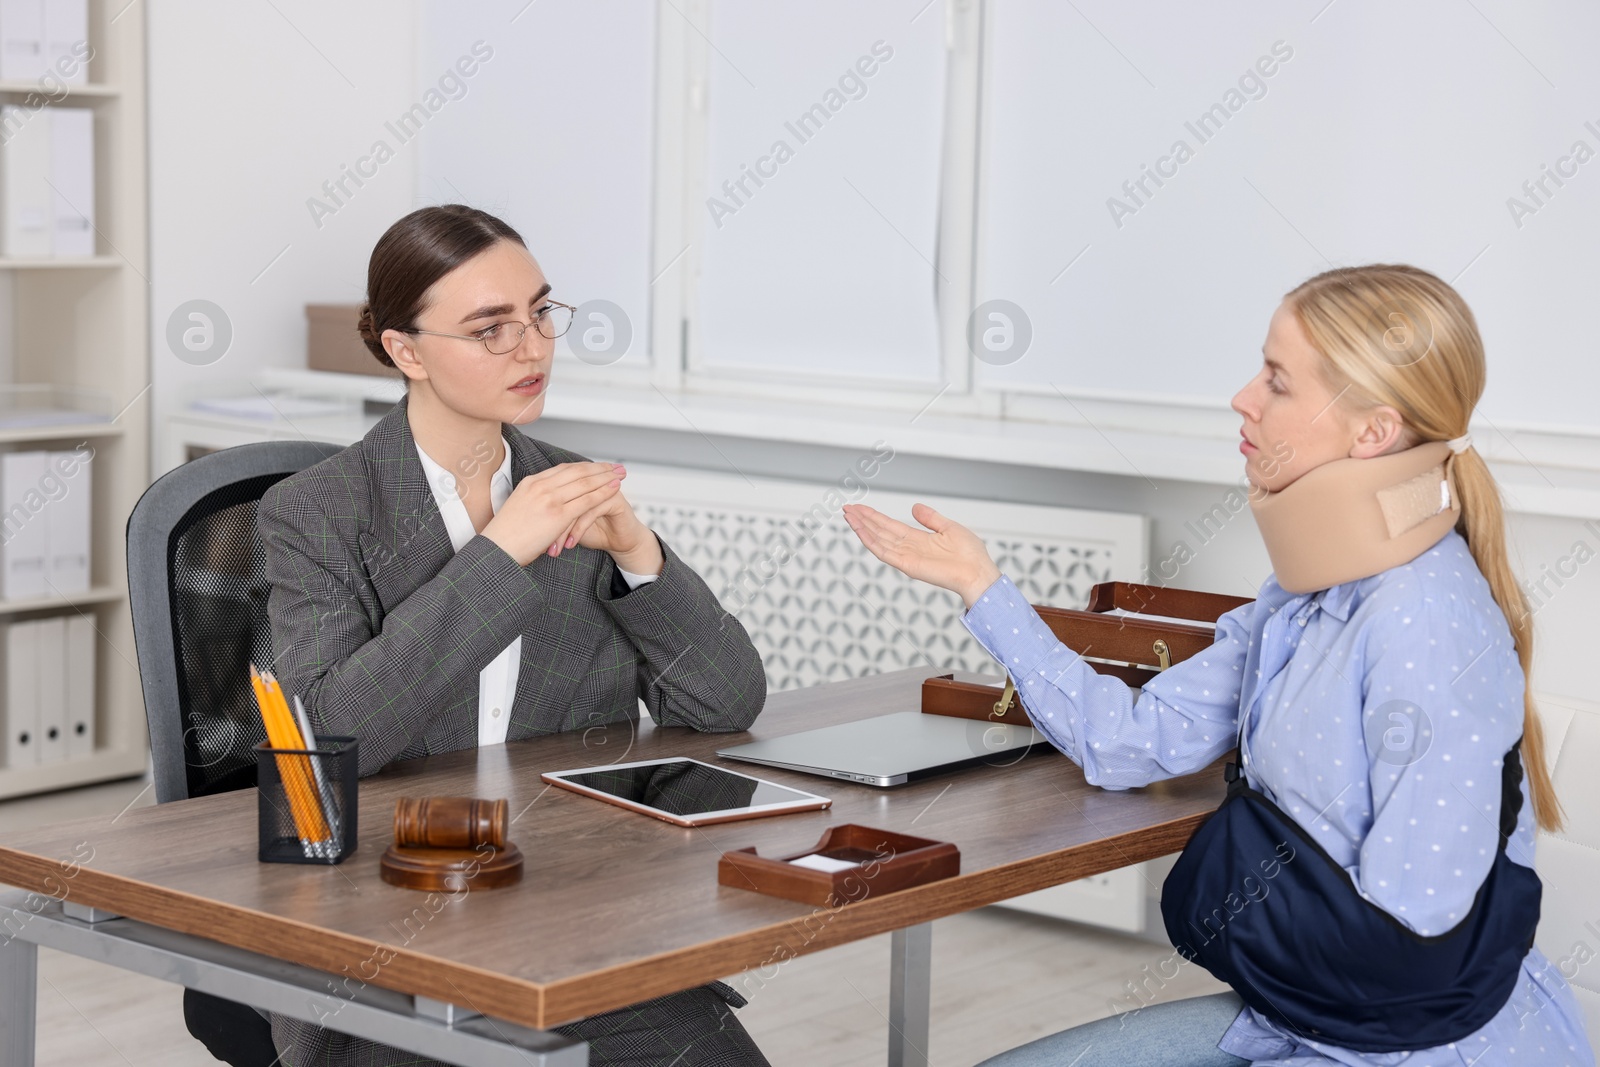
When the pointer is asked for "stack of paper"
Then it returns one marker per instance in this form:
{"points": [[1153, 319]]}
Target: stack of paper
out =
{"points": [[24, 405], [278, 406], [28, 418]]}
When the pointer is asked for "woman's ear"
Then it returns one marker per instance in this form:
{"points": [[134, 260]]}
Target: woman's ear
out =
{"points": [[1381, 431], [398, 345]]}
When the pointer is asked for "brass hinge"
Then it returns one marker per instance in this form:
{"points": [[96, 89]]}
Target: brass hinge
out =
{"points": [[1003, 705]]}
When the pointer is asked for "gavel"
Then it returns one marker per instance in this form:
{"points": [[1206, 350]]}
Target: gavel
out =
{"points": [[450, 822]]}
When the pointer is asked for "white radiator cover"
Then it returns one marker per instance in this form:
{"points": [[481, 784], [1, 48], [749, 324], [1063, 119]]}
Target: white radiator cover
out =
{"points": [[820, 608]]}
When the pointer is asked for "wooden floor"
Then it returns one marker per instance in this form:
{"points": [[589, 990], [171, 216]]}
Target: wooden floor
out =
{"points": [[999, 978]]}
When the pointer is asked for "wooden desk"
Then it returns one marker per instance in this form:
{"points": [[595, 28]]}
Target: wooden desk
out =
{"points": [[614, 907]]}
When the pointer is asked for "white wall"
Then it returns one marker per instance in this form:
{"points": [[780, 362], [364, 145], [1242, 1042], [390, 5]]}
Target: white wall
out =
{"points": [[252, 108], [553, 134], [1356, 149], [827, 267], [1385, 132]]}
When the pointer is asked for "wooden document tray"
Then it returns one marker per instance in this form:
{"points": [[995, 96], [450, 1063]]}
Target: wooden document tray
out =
{"points": [[1123, 646], [883, 862]]}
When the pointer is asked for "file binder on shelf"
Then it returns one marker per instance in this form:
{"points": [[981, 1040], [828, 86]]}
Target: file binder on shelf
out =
{"points": [[72, 181], [47, 689], [80, 686], [66, 39], [47, 182], [40, 38], [45, 512], [26, 200], [68, 523], [51, 635], [21, 694], [22, 55], [24, 533]]}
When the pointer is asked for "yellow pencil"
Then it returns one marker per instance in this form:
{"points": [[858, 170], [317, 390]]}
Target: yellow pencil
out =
{"points": [[305, 785], [276, 738], [292, 770], [260, 686]]}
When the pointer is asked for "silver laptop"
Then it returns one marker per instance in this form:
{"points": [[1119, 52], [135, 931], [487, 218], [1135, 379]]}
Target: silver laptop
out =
{"points": [[892, 749]]}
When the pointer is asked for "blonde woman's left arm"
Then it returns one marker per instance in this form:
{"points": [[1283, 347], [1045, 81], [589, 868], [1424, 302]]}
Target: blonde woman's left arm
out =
{"points": [[1184, 718]]}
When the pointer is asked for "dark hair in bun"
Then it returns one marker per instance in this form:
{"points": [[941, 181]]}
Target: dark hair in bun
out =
{"points": [[414, 253]]}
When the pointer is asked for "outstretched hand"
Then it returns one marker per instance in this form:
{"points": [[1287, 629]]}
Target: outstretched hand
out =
{"points": [[947, 554]]}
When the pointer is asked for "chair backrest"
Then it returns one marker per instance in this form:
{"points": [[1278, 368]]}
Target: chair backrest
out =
{"points": [[1569, 862], [198, 592]]}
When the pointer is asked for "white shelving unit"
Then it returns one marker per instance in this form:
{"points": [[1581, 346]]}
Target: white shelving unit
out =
{"points": [[82, 323]]}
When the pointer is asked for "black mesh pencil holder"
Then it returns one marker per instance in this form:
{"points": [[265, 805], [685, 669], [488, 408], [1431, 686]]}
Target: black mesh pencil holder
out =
{"points": [[307, 802]]}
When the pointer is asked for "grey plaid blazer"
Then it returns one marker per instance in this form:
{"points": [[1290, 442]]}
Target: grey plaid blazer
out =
{"points": [[381, 627]]}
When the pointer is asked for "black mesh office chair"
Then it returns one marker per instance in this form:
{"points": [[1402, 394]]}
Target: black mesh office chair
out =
{"points": [[198, 592]]}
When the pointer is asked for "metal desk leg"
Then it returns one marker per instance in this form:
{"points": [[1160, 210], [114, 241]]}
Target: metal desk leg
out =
{"points": [[440, 1032], [910, 989], [19, 995]]}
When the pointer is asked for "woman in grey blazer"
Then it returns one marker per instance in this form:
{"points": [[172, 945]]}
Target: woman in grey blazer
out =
{"points": [[448, 581]]}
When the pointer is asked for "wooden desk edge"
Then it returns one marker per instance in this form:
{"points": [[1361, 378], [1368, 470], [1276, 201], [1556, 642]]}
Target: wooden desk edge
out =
{"points": [[769, 945], [552, 1004]]}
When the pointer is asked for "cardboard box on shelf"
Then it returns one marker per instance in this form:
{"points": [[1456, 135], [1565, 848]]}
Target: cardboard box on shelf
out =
{"points": [[332, 343]]}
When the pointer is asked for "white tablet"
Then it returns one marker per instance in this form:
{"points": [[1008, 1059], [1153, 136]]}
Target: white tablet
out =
{"points": [[685, 791]]}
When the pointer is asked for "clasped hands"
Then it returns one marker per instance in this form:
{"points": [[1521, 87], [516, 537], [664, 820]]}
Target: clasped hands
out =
{"points": [[946, 554], [574, 504]]}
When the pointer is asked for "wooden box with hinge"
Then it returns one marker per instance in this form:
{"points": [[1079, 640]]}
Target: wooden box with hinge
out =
{"points": [[1128, 646]]}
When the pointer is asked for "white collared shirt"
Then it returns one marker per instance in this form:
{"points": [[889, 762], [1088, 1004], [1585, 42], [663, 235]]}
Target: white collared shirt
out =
{"points": [[497, 683]]}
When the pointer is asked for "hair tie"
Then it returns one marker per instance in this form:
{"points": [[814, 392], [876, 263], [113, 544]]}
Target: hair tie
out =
{"points": [[1460, 444]]}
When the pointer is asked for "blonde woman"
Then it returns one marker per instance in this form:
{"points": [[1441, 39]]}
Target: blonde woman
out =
{"points": [[1376, 693]]}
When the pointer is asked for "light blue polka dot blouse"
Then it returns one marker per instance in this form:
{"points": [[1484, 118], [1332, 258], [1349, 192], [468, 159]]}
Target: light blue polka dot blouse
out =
{"points": [[1376, 714]]}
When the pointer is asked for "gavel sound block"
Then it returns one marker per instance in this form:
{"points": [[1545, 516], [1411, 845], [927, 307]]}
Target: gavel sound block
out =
{"points": [[450, 844]]}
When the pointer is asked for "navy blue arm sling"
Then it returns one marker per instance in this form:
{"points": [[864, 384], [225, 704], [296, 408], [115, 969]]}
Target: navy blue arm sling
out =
{"points": [[1256, 901]]}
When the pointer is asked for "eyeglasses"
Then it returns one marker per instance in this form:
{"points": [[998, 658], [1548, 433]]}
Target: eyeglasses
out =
{"points": [[552, 320]]}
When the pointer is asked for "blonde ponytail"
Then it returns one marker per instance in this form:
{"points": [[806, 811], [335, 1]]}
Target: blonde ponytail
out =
{"points": [[1397, 335], [1482, 523]]}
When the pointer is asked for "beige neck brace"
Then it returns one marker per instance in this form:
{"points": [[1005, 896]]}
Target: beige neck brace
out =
{"points": [[1352, 518]]}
